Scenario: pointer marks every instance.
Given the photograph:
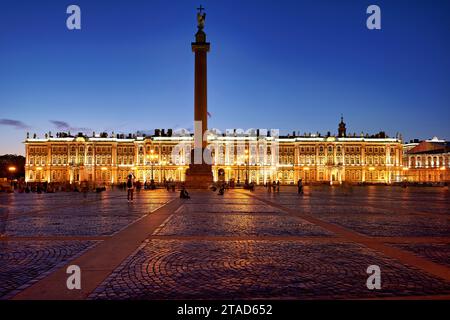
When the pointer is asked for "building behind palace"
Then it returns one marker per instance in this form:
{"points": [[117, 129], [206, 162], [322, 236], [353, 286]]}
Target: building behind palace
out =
{"points": [[427, 161], [258, 156]]}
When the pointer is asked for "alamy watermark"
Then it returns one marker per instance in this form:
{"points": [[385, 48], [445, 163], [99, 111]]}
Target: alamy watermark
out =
{"points": [[74, 280], [374, 280], [253, 147], [73, 22]]}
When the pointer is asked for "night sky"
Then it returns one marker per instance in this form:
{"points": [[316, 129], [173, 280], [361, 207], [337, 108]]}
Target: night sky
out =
{"points": [[290, 65]]}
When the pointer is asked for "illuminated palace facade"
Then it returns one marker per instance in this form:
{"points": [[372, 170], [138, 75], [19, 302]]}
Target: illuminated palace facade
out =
{"points": [[108, 159]]}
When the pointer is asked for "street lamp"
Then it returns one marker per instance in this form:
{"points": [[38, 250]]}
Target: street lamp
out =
{"points": [[162, 165], [152, 157], [239, 171], [247, 161], [12, 170]]}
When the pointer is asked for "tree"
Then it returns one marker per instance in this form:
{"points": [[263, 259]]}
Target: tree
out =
{"points": [[9, 160]]}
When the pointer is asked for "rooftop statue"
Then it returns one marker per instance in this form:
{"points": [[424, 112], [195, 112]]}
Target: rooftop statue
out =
{"points": [[201, 18]]}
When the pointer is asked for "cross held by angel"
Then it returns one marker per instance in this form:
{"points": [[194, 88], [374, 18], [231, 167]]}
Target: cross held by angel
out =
{"points": [[201, 18]]}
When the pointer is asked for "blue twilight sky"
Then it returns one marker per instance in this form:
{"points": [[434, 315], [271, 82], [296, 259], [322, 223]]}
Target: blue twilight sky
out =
{"points": [[291, 65]]}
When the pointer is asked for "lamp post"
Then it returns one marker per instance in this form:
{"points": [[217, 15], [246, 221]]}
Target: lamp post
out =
{"points": [[12, 170], [239, 172], [247, 161], [152, 157], [163, 168]]}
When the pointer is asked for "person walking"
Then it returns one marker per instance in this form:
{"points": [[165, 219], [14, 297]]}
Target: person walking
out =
{"points": [[278, 185], [130, 187], [300, 186], [269, 187]]}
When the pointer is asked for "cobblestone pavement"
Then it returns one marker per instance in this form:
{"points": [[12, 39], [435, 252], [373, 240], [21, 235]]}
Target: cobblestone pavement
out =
{"points": [[232, 224], [72, 214], [246, 245], [436, 252], [259, 269], [375, 211], [240, 247], [22, 263], [58, 227]]}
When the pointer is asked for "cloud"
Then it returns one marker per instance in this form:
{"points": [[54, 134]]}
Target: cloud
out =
{"points": [[14, 123], [60, 124], [63, 125]]}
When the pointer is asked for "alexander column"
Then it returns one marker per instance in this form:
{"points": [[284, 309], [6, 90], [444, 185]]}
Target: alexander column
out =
{"points": [[199, 174]]}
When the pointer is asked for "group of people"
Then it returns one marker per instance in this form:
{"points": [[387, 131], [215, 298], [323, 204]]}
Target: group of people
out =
{"points": [[138, 185], [53, 187], [272, 185], [275, 186], [221, 186], [131, 185], [169, 185]]}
